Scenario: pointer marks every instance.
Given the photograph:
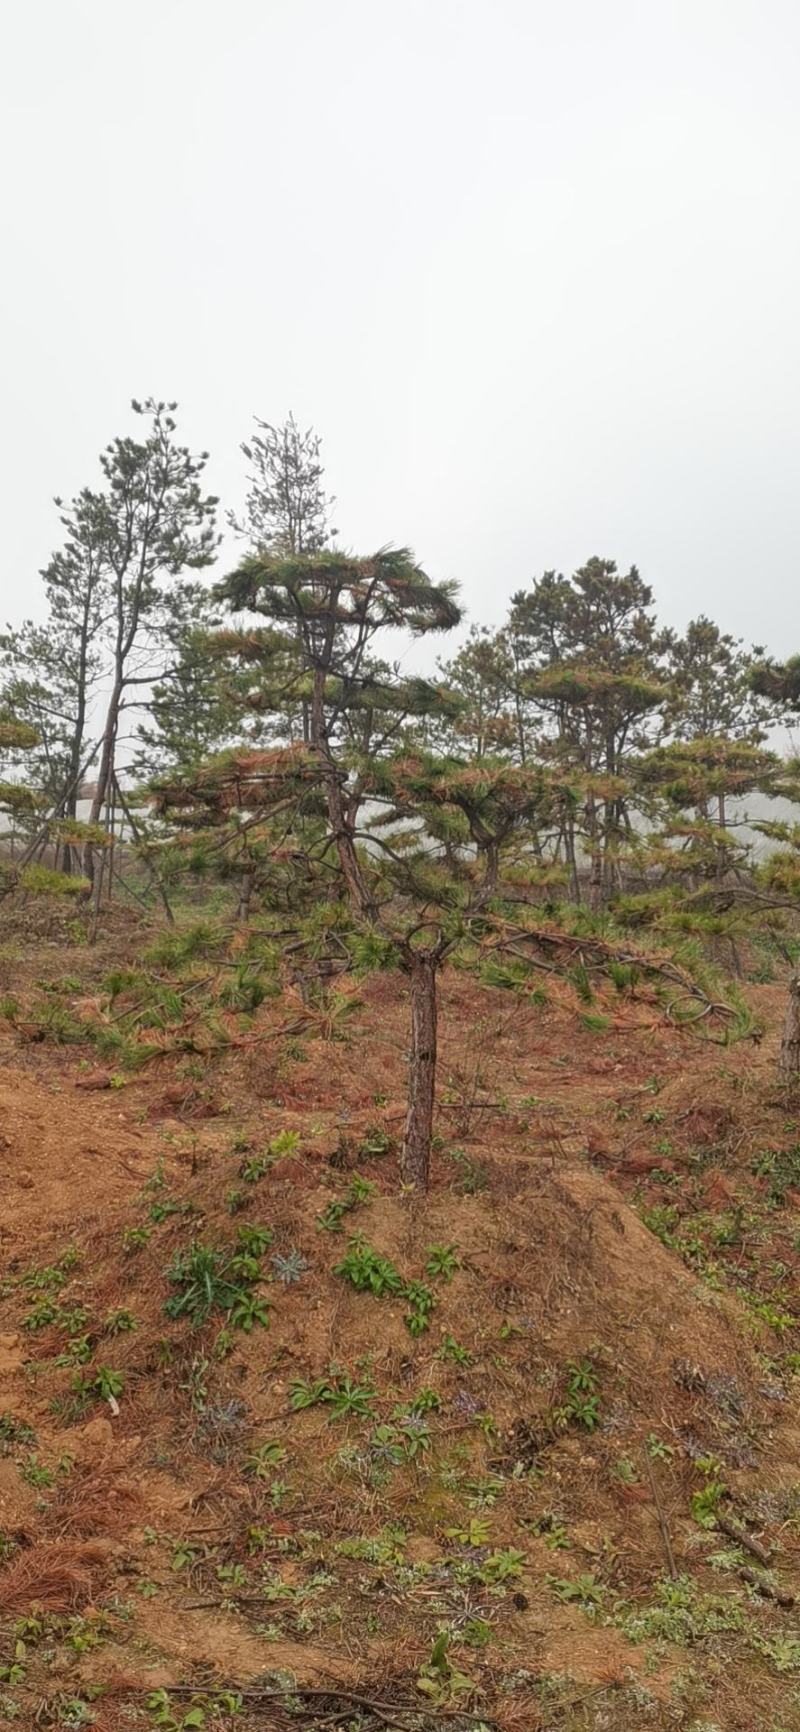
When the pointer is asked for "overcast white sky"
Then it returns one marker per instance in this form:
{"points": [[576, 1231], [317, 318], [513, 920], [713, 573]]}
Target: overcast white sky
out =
{"points": [[532, 269]]}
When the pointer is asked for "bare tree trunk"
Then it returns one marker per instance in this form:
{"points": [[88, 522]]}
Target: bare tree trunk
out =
{"points": [[105, 771], [357, 888], [340, 822], [156, 876], [72, 859], [491, 869], [789, 1058], [416, 1152], [245, 895], [97, 897], [721, 821], [596, 863], [571, 859], [112, 821], [595, 842]]}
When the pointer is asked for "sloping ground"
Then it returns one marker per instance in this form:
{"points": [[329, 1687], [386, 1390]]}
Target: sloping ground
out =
{"points": [[312, 1483]]}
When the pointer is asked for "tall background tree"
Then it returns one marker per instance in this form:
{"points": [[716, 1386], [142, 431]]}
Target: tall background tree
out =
{"points": [[153, 523], [287, 511], [591, 657], [51, 672]]}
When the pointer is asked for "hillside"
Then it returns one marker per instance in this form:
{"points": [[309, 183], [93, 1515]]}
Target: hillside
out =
{"points": [[269, 1428]]}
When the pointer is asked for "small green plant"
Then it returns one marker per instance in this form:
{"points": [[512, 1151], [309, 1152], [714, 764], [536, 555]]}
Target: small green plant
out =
{"points": [[134, 1239], [552, 1531], [502, 1566], [582, 1405], [161, 1709], [103, 1383], [359, 1192], [15, 1432], [476, 1633], [36, 1474], [211, 1278], [41, 1315], [254, 1241], [261, 1461], [376, 1141], [584, 1591], [14, 1673], [78, 1351], [120, 1322], [291, 1268], [255, 1168], [662, 1220], [421, 1302], [350, 1400], [286, 1143], [442, 1261], [706, 1502], [425, 1401], [202, 1276], [345, 1398], [781, 1169], [303, 1394], [782, 1650], [388, 1548], [475, 1534], [247, 1310], [370, 1272], [451, 1349], [683, 1614], [657, 1449], [438, 1679]]}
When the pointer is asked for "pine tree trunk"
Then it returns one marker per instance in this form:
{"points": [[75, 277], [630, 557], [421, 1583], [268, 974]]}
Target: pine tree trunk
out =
{"points": [[105, 771], [595, 857], [721, 822], [789, 1058], [341, 822], [342, 831], [571, 859], [245, 895], [416, 1153]]}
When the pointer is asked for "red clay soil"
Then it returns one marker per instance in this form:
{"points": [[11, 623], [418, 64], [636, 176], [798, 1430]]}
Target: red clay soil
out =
{"points": [[156, 1539]]}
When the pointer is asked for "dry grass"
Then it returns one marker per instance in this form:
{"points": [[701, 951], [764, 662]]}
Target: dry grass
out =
{"points": [[95, 1499], [60, 1577]]}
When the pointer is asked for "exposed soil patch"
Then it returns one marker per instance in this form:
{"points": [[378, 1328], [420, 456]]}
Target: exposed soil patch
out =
{"points": [[317, 1490]]}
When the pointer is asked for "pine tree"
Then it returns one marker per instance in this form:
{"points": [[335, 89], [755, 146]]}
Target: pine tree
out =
{"points": [[778, 681], [693, 780], [52, 670], [18, 801], [152, 523], [287, 510], [199, 704], [482, 676], [591, 658], [333, 606]]}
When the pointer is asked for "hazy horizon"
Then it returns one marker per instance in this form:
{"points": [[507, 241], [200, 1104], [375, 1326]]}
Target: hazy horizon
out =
{"points": [[531, 273]]}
